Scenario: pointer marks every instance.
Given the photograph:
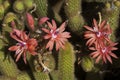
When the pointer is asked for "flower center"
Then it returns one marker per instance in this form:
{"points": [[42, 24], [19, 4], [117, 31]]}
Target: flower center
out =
{"points": [[98, 34], [22, 44], [54, 33], [104, 50]]}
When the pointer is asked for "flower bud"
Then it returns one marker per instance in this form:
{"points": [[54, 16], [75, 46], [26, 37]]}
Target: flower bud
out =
{"points": [[43, 20], [28, 4], [6, 5], [2, 11], [87, 64], [9, 18], [18, 6], [117, 3], [30, 21]]}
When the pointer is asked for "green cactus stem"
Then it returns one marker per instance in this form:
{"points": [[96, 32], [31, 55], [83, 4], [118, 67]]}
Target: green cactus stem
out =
{"points": [[43, 8], [97, 1], [7, 66], [111, 14], [2, 11], [23, 76], [54, 75], [66, 63], [6, 78], [87, 63], [73, 12]]}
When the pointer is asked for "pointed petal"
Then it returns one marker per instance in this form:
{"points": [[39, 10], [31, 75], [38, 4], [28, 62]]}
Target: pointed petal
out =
{"points": [[102, 25], [43, 20], [47, 36], [109, 58], [65, 35], [95, 55], [98, 59], [104, 58], [24, 57], [62, 27], [13, 48], [46, 30], [113, 55], [50, 44], [18, 56], [50, 25], [89, 28], [54, 24], [95, 23]]}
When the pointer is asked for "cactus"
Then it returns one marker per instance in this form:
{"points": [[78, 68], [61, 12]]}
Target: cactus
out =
{"points": [[73, 12], [7, 67], [66, 62], [51, 51], [111, 14]]}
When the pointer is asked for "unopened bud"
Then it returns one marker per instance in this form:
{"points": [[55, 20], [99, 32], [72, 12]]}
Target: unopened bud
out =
{"points": [[43, 20], [9, 18], [28, 4], [87, 64], [30, 21], [18, 6], [6, 5]]}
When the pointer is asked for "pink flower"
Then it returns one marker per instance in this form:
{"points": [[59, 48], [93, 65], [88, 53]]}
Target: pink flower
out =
{"points": [[30, 21], [24, 44], [56, 35], [98, 34], [104, 52]]}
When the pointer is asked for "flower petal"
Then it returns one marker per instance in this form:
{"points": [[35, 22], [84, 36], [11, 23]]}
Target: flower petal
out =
{"points": [[43, 20], [13, 48]]}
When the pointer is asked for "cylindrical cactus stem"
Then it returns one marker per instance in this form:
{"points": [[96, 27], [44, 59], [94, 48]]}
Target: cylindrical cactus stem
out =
{"points": [[54, 75], [37, 75], [43, 8], [7, 66], [2, 11], [57, 7], [111, 14], [97, 1], [2, 77], [66, 63], [23, 76], [73, 12]]}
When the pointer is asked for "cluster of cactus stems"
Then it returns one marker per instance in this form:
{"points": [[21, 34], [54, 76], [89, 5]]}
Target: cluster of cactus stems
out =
{"points": [[43, 39]]}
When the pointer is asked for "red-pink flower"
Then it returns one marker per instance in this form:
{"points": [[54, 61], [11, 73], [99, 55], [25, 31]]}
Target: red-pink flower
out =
{"points": [[98, 34], [104, 52], [56, 35], [24, 44], [30, 21]]}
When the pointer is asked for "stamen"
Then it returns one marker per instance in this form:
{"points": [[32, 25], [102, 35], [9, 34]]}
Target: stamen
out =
{"points": [[104, 50], [98, 34]]}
